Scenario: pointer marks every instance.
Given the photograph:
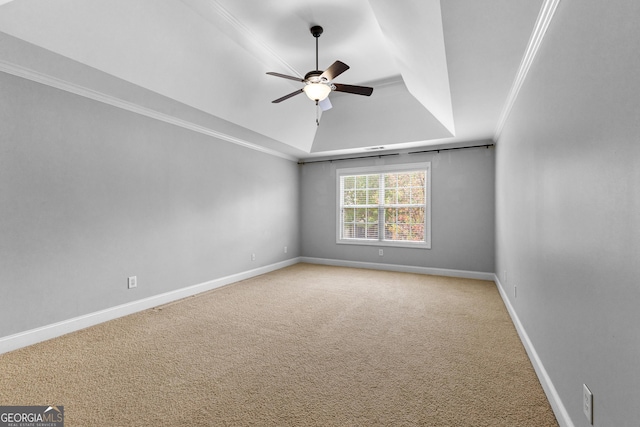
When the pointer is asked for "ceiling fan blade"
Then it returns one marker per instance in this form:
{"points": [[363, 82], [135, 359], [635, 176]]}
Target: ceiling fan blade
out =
{"points": [[284, 76], [335, 70], [287, 96], [358, 90]]}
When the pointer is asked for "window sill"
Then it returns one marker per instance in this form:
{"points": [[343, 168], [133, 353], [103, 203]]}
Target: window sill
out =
{"points": [[386, 243]]}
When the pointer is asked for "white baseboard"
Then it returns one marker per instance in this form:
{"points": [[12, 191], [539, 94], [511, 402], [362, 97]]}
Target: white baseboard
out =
{"points": [[401, 268], [33, 336], [547, 385]]}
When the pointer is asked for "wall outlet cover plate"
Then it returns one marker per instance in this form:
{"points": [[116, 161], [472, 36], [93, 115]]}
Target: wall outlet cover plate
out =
{"points": [[132, 282]]}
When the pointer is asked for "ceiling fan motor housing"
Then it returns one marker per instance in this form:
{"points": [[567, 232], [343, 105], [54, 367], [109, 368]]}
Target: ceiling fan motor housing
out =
{"points": [[315, 76]]}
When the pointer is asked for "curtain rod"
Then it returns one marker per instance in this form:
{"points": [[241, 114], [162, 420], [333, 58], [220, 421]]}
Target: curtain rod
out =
{"points": [[302, 162], [452, 148]]}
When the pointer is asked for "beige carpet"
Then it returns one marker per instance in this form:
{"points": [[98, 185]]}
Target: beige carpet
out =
{"points": [[303, 346]]}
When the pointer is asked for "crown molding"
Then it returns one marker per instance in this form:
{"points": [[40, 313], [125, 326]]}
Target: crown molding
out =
{"points": [[35, 76], [542, 24]]}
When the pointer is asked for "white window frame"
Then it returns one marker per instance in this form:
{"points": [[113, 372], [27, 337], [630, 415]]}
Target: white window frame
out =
{"points": [[426, 166]]}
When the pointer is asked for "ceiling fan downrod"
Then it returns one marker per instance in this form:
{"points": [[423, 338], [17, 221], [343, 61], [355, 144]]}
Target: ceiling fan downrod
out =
{"points": [[316, 31]]}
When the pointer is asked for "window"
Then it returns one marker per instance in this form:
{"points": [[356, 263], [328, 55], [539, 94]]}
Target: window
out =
{"points": [[385, 205]]}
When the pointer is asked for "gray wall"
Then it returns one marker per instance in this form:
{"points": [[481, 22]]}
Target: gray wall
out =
{"points": [[91, 194], [462, 212], [568, 208]]}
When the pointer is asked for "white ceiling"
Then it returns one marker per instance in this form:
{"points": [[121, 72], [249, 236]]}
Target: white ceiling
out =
{"points": [[441, 72]]}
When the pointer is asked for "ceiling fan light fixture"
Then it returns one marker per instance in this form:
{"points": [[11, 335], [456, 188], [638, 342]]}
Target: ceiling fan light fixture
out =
{"points": [[317, 91]]}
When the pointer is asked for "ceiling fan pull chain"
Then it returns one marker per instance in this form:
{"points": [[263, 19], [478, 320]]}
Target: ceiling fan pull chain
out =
{"points": [[317, 114]]}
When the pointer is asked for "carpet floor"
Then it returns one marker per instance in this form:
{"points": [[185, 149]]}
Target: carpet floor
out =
{"points": [[306, 345]]}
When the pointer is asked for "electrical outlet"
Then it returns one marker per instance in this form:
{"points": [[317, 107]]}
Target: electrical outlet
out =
{"points": [[380, 252], [285, 249], [253, 257], [587, 403], [132, 282]]}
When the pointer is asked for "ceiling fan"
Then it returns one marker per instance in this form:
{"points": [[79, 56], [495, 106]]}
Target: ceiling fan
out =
{"points": [[318, 84]]}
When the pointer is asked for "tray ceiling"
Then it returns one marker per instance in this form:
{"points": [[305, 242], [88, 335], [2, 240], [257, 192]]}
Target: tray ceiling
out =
{"points": [[441, 72]]}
